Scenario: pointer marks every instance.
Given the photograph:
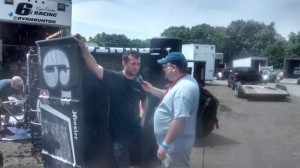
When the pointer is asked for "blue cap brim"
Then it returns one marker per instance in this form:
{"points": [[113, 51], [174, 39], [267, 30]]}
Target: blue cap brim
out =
{"points": [[162, 61]]}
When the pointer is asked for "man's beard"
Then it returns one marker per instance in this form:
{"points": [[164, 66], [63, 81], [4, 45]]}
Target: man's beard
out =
{"points": [[131, 73]]}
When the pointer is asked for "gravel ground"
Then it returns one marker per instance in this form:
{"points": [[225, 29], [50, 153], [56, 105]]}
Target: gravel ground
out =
{"points": [[18, 155]]}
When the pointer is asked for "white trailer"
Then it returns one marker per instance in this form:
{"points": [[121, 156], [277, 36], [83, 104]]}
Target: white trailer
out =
{"points": [[261, 91], [255, 62], [201, 53], [244, 62]]}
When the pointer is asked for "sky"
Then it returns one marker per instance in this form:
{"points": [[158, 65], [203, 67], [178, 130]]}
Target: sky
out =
{"points": [[145, 19]]}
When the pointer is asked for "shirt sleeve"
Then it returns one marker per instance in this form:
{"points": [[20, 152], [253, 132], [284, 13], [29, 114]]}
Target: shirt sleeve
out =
{"points": [[108, 78], [182, 107]]}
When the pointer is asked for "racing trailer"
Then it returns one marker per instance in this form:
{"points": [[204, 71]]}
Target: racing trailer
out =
{"points": [[247, 83], [255, 62], [196, 55], [261, 91]]}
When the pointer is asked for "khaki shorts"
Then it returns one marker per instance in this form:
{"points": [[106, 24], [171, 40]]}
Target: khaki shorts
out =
{"points": [[177, 160]]}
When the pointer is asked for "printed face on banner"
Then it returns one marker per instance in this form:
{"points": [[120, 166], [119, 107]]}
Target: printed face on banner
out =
{"points": [[56, 69]]}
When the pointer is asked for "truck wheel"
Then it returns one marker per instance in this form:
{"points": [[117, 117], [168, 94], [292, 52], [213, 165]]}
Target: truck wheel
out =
{"points": [[238, 93]]}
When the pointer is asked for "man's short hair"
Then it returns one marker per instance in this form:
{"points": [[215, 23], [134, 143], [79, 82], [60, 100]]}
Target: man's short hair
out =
{"points": [[17, 81], [127, 53]]}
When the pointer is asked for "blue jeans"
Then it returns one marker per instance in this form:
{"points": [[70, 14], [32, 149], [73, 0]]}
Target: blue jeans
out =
{"points": [[127, 148]]}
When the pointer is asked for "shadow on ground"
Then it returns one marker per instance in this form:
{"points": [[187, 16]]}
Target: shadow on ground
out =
{"points": [[270, 99], [214, 140]]}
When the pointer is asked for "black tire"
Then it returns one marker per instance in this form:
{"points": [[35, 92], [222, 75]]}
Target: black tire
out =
{"points": [[238, 92]]}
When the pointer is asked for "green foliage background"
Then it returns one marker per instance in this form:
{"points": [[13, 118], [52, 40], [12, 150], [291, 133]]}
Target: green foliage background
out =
{"points": [[238, 40]]}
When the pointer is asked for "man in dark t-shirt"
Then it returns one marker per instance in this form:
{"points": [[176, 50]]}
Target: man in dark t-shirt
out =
{"points": [[125, 95], [128, 101]]}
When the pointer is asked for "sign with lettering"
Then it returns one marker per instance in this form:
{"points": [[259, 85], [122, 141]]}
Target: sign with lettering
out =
{"points": [[54, 12], [8, 1]]}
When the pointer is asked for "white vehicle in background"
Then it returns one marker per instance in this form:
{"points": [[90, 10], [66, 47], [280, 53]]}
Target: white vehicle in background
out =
{"points": [[255, 62], [201, 53], [246, 83]]}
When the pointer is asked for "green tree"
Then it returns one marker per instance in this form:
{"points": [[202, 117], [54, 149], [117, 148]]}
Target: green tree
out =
{"points": [[181, 32], [239, 39], [250, 38], [276, 53], [118, 40], [98, 38], [110, 40], [202, 34], [137, 43], [293, 45], [206, 34]]}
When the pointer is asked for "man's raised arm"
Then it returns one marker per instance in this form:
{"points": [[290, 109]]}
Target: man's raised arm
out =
{"points": [[88, 58]]}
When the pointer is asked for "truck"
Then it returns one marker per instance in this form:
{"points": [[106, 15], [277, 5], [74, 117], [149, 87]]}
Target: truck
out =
{"points": [[24, 22], [247, 83], [243, 75], [202, 55], [255, 62]]}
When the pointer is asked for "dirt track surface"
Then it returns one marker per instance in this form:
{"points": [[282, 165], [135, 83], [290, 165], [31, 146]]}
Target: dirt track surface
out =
{"points": [[18, 155]]}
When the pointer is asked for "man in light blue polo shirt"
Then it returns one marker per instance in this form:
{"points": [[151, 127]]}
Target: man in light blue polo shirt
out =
{"points": [[175, 117]]}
